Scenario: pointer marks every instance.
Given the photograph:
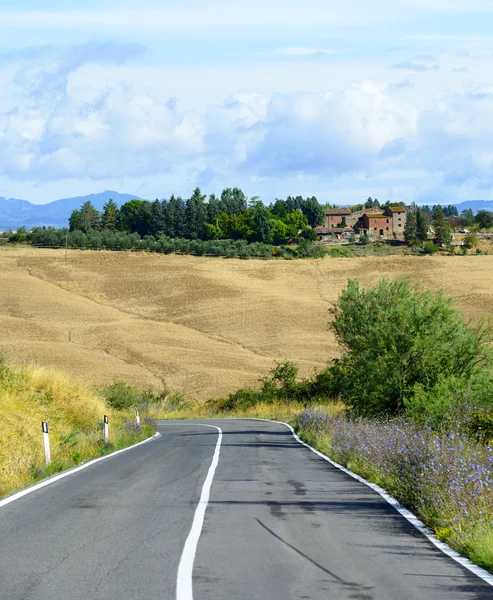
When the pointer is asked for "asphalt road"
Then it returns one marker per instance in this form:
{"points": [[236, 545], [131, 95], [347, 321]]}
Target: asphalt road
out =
{"points": [[281, 524]]}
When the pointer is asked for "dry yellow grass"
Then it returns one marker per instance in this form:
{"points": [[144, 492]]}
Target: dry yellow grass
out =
{"points": [[200, 325], [28, 396]]}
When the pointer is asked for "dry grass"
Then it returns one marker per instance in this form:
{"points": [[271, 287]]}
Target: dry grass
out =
{"points": [[199, 325], [29, 395], [287, 412]]}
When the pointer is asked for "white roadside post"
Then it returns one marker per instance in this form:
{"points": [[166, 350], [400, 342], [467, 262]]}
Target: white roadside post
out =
{"points": [[105, 428], [137, 417], [46, 441]]}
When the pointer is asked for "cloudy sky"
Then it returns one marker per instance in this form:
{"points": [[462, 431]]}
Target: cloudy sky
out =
{"points": [[389, 98]]}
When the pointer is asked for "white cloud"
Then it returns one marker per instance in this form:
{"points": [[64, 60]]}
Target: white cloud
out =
{"points": [[305, 52], [115, 128]]}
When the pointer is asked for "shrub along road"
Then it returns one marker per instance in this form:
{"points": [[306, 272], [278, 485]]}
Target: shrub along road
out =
{"points": [[281, 523]]}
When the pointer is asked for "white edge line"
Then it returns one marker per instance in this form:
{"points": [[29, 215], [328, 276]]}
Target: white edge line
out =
{"points": [[184, 585], [420, 526], [51, 480]]}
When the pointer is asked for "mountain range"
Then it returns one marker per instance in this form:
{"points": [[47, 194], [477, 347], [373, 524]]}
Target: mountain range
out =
{"points": [[16, 213]]}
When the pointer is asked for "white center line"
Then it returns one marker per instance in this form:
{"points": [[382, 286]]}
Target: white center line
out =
{"points": [[184, 585]]}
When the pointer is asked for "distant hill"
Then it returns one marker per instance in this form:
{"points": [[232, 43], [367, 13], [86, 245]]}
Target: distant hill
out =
{"points": [[475, 205], [16, 213]]}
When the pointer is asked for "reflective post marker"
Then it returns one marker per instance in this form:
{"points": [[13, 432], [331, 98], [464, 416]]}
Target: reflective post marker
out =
{"points": [[105, 428], [46, 441], [137, 416]]}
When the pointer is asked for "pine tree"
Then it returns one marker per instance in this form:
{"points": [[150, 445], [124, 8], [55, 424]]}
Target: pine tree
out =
{"points": [[175, 218], [410, 230], [89, 217], [421, 227], [143, 222], [157, 218], [214, 208], [109, 218], [239, 201], [195, 214], [441, 225]]}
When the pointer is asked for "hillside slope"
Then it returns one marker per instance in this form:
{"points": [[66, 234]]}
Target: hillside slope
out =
{"points": [[200, 325]]}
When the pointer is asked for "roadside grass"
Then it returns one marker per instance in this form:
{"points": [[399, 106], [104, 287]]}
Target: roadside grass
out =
{"points": [[29, 395], [288, 412]]}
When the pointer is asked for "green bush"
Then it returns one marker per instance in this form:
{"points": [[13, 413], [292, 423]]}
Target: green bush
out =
{"points": [[430, 248], [121, 396], [451, 400], [338, 252], [399, 338]]}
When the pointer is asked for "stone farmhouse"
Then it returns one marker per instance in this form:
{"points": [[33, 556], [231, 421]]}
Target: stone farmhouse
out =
{"points": [[373, 222]]}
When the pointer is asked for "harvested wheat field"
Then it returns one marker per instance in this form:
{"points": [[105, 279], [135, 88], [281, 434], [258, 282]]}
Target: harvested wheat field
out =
{"points": [[204, 326]]}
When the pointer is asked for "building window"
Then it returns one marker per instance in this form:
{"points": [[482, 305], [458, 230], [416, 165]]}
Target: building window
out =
{"points": [[387, 222], [387, 228], [375, 227], [375, 221]]}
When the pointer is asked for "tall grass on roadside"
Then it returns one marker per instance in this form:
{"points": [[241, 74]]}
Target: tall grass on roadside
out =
{"points": [[29, 395], [446, 479]]}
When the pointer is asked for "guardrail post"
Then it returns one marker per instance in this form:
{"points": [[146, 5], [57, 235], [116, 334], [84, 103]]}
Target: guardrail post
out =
{"points": [[106, 428], [137, 417], [46, 441]]}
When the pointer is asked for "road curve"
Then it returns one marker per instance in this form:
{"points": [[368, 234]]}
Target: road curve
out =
{"points": [[280, 524]]}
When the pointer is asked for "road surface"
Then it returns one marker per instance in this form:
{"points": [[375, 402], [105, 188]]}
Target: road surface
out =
{"points": [[281, 524]]}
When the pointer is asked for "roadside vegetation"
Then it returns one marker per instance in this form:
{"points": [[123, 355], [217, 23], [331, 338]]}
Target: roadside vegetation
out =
{"points": [[30, 395], [409, 406]]}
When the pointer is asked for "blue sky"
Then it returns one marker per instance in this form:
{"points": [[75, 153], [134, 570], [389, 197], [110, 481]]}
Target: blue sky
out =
{"points": [[392, 99]]}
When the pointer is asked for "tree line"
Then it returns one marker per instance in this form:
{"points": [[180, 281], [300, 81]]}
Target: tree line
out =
{"points": [[103, 239], [443, 221], [230, 216]]}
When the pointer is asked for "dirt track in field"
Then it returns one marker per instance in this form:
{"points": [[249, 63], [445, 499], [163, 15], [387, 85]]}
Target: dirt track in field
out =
{"points": [[200, 325]]}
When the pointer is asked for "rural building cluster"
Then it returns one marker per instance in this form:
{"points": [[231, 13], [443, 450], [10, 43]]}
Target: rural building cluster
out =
{"points": [[372, 222]]}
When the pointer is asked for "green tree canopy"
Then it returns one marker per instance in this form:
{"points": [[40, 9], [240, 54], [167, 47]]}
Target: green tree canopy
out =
{"points": [[397, 336], [372, 203], [129, 216], [484, 219], [313, 212]]}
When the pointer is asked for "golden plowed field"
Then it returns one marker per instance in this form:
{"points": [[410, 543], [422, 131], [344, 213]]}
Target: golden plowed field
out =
{"points": [[200, 325]]}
